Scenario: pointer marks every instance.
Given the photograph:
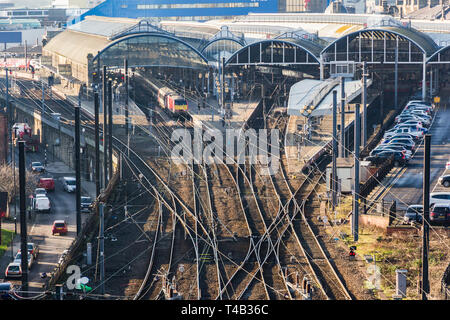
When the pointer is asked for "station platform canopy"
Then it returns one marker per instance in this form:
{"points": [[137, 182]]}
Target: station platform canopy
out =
{"points": [[313, 98]]}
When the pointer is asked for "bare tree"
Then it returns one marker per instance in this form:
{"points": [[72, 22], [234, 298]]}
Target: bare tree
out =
{"points": [[7, 182]]}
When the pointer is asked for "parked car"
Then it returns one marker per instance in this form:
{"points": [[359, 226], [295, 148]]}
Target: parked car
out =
{"points": [[445, 180], [41, 204], [447, 165], [427, 109], [47, 183], [426, 103], [59, 226], [69, 184], [404, 141], [413, 122], [18, 259], [440, 212], [395, 144], [384, 147], [40, 191], [37, 167], [439, 197], [399, 157], [400, 136], [414, 213], [13, 270], [406, 117], [416, 133], [33, 249], [86, 204]]}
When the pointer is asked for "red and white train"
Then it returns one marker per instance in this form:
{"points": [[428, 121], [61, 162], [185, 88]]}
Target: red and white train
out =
{"points": [[170, 100]]}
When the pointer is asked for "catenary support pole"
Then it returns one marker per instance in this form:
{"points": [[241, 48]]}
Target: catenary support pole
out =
{"points": [[126, 99], [105, 129], [97, 145], [396, 77], [342, 133], [364, 105], [78, 167], [355, 215], [424, 77], [426, 218], [8, 109], [335, 151], [102, 248], [23, 216], [110, 129]]}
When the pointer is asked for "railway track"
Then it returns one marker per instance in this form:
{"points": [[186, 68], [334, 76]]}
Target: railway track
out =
{"points": [[272, 232]]}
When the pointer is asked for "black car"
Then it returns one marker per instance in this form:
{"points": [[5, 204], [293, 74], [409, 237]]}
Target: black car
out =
{"points": [[414, 213], [445, 180], [399, 158], [86, 204]]}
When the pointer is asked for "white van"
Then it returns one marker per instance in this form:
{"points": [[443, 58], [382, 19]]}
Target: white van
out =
{"points": [[440, 197], [41, 204], [69, 184]]}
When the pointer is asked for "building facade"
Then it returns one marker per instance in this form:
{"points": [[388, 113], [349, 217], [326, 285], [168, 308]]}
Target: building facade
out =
{"points": [[199, 9]]}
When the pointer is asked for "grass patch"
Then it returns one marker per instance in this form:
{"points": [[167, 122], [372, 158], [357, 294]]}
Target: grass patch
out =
{"points": [[6, 240]]}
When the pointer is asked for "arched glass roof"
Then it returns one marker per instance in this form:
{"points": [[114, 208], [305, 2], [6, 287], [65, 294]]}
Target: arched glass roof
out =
{"points": [[277, 52], [151, 49], [378, 45], [221, 48], [440, 56]]}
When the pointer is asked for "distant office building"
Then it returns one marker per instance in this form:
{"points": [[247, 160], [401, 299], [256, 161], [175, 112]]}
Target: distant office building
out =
{"points": [[75, 3], [302, 5], [199, 9]]}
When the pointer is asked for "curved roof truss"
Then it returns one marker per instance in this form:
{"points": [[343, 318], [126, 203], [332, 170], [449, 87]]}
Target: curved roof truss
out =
{"points": [[275, 52], [380, 45], [148, 49], [442, 56]]}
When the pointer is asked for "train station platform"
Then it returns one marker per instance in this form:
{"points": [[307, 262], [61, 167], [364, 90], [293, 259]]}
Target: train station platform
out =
{"points": [[211, 116], [302, 149]]}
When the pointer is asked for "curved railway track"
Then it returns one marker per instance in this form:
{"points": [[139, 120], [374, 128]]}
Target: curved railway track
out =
{"points": [[270, 231]]}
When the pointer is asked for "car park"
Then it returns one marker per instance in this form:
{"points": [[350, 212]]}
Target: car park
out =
{"points": [[440, 197], [13, 270], [69, 184], [47, 183], [59, 226], [445, 180], [440, 212], [41, 204], [86, 204], [18, 259], [414, 214], [37, 167]]}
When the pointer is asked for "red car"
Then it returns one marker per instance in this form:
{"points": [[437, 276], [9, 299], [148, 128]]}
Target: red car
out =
{"points": [[59, 226], [47, 183]]}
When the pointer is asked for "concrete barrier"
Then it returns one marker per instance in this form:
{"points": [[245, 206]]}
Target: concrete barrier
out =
{"points": [[374, 221]]}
